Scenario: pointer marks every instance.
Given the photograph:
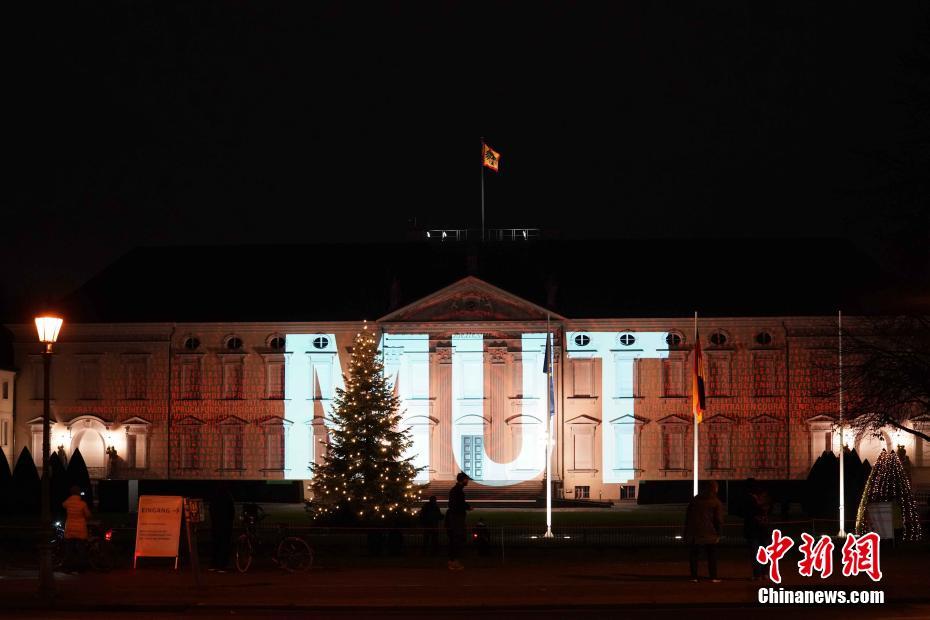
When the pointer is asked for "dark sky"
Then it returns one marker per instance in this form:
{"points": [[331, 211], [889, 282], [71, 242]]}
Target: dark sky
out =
{"points": [[254, 122]]}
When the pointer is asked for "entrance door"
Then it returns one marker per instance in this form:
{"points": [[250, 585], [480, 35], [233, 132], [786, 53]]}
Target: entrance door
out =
{"points": [[473, 456]]}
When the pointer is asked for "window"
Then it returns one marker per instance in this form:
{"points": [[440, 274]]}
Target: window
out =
{"points": [[766, 445], [763, 375], [924, 452], [277, 343], [764, 339], [582, 447], [583, 377], [232, 380], [135, 378], [625, 449], [718, 339], [824, 367], [274, 447], [582, 492], [6, 390], [673, 339], [4, 433], [626, 381], [275, 372], [582, 340], [627, 339], [190, 447], [628, 491], [191, 343], [672, 377], [673, 446], [190, 379], [89, 377], [719, 445], [136, 450], [718, 366], [234, 343], [231, 437], [320, 342]]}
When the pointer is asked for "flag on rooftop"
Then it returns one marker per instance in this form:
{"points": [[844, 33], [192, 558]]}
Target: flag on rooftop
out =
{"points": [[490, 158]]}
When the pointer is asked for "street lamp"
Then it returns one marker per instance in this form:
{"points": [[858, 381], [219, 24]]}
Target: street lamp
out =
{"points": [[48, 327]]}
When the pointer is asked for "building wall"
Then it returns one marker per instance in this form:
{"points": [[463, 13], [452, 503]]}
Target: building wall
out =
{"points": [[7, 398], [770, 408]]}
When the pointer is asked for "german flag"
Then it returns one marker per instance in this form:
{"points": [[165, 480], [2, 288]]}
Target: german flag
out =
{"points": [[490, 158], [698, 404]]}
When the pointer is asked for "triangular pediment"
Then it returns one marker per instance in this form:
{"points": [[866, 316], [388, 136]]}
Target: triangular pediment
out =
{"points": [[470, 299]]}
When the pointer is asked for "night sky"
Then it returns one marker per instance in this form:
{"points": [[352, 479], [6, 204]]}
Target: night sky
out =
{"points": [[132, 123]]}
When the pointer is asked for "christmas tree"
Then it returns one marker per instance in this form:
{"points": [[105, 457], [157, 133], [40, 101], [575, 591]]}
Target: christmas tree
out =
{"points": [[889, 482], [364, 478]]}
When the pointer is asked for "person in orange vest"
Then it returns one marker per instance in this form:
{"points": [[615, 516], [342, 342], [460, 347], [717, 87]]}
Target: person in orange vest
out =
{"points": [[75, 528]]}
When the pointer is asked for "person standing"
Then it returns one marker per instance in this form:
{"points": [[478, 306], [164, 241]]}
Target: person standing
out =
{"points": [[430, 516], [703, 522], [455, 520], [757, 506], [77, 514], [222, 515]]}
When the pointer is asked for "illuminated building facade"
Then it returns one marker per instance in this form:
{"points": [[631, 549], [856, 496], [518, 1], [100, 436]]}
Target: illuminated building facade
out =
{"points": [[248, 400]]}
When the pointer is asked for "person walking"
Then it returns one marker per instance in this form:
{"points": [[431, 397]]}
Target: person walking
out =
{"points": [[430, 516], [455, 520], [75, 537], [222, 515], [757, 506], [703, 522]]}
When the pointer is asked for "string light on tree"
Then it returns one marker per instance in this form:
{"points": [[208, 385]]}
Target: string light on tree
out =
{"points": [[889, 482], [365, 455]]}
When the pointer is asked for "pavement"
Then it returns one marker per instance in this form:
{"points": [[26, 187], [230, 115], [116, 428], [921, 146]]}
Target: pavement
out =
{"points": [[638, 582]]}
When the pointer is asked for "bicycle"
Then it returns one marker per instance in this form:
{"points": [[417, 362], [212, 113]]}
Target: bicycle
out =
{"points": [[97, 550], [291, 553]]}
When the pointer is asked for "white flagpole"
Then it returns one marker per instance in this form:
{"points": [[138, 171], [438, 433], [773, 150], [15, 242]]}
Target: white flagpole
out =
{"points": [[549, 406], [842, 532], [693, 414]]}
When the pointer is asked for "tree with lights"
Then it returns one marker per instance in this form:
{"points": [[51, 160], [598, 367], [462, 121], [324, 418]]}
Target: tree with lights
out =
{"points": [[364, 478], [889, 482]]}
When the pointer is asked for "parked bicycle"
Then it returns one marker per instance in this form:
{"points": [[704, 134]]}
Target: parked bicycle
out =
{"points": [[97, 550], [291, 553]]}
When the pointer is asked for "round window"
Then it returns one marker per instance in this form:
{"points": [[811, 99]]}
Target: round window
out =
{"points": [[234, 343], [718, 339], [320, 342], [627, 339], [582, 340], [277, 343], [673, 339], [764, 338], [191, 343]]}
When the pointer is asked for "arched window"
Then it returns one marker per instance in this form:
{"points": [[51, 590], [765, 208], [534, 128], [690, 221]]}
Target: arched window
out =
{"points": [[233, 343], [718, 339], [191, 343]]}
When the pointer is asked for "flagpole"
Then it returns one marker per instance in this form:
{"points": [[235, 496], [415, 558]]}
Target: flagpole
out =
{"points": [[549, 414], [694, 413], [482, 188], [842, 532]]}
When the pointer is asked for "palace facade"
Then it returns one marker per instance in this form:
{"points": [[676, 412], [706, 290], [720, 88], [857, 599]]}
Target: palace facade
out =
{"points": [[249, 400]]}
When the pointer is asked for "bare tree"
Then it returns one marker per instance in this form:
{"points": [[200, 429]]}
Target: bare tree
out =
{"points": [[886, 373]]}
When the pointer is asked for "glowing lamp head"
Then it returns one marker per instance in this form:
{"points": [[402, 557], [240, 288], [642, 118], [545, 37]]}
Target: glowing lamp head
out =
{"points": [[48, 326]]}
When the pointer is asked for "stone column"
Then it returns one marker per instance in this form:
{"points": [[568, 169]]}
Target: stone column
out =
{"points": [[442, 388], [497, 403]]}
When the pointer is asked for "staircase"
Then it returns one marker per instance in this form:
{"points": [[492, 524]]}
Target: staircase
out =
{"points": [[514, 495]]}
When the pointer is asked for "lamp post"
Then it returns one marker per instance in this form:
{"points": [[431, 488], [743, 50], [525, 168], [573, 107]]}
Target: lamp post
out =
{"points": [[48, 327]]}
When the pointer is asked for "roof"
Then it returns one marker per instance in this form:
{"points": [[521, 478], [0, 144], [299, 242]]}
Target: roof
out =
{"points": [[577, 279]]}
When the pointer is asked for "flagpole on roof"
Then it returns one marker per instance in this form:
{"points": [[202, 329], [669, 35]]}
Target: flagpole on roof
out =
{"points": [[482, 188], [550, 404], [694, 413]]}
